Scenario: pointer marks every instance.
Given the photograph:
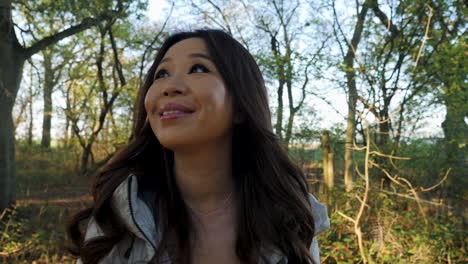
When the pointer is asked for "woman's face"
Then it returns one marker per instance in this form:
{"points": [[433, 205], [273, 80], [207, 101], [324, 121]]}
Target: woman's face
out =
{"points": [[188, 77]]}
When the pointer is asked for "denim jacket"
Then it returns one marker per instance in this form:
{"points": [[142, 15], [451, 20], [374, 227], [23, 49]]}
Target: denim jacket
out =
{"points": [[138, 246]]}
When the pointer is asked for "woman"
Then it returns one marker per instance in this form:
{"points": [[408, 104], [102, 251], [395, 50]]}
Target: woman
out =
{"points": [[204, 179]]}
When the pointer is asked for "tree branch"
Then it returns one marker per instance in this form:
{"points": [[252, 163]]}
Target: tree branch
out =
{"points": [[384, 19], [118, 64], [50, 40]]}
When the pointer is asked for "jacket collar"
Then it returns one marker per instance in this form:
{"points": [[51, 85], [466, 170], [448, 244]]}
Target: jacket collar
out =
{"points": [[139, 219], [135, 214]]}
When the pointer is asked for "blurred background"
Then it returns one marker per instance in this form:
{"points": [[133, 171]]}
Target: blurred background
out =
{"points": [[369, 97]]}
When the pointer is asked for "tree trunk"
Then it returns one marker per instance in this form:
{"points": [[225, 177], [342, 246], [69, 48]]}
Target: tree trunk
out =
{"points": [[67, 132], [85, 159], [11, 67], [289, 125], [70, 104], [456, 135], [7, 154], [385, 147], [48, 88], [279, 111], [350, 128], [279, 91], [31, 123], [352, 97]]}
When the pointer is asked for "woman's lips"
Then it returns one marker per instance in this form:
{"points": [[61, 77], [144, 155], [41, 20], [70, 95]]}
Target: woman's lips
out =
{"points": [[174, 116]]}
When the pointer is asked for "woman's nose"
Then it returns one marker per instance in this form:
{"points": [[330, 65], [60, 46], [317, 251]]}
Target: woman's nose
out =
{"points": [[175, 85]]}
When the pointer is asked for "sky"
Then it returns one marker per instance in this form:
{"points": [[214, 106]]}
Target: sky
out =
{"points": [[155, 7]]}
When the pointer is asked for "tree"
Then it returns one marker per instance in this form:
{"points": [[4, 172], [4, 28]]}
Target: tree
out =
{"points": [[54, 57], [102, 87], [14, 54], [352, 92], [285, 64], [442, 71], [24, 103], [387, 57], [52, 75], [87, 140]]}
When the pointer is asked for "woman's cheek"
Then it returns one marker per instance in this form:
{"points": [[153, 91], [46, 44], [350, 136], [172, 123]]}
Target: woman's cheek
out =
{"points": [[150, 102]]}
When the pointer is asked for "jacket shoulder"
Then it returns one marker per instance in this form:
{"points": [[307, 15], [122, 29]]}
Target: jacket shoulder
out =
{"points": [[320, 214]]}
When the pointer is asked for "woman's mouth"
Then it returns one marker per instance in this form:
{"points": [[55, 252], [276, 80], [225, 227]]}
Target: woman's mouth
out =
{"points": [[172, 115]]}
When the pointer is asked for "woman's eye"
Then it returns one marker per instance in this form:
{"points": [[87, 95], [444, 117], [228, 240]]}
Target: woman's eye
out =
{"points": [[161, 74], [198, 68]]}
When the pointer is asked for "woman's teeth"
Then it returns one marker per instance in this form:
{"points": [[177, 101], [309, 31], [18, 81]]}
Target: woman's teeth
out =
{"points": [[174, 111]]}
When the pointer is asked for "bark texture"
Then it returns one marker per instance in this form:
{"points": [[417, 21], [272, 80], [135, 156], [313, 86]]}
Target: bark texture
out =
{"points": [[11, 67], [47, 92], [352, 95]]}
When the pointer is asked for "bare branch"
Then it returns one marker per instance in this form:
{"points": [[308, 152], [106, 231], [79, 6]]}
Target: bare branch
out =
{"points": [[50, 40], [346, 217], [439, 183], [118, 64], [147, 49], [384, 19], [412, 198], [388, 156], [425, 37], [223, 16]]}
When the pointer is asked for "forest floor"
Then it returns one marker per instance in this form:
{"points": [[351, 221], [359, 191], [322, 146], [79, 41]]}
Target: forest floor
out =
{"points": [[34, 231], [56, 196]]}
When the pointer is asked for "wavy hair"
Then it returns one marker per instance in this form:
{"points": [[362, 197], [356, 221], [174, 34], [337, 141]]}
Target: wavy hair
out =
{"points": [[274, 210]]}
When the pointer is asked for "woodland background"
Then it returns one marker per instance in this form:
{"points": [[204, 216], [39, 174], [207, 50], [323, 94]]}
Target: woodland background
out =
{"points": [[369, 97]]}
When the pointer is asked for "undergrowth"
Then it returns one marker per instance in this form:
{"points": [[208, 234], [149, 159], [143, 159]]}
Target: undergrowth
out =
{"points": [[33, 234], [394, 232]]}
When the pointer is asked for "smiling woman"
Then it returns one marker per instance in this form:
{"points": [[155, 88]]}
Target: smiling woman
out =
{"points": [[188, 80], [204, 179]]}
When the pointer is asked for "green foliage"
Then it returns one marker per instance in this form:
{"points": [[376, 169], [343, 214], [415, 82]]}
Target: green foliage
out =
{"points": [[303, 156], [394, 232], [427, 160], [428, 165], [41, 171]]}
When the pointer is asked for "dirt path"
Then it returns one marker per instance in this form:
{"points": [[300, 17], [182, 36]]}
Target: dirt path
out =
{"points": [[55, 196], [71, 202]]}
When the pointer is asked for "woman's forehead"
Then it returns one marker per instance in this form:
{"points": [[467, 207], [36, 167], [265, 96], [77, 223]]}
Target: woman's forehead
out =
{"points": [[186, 47]]}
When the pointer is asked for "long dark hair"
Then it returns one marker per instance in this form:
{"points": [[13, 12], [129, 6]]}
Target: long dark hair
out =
{"points": [[274, 210]]}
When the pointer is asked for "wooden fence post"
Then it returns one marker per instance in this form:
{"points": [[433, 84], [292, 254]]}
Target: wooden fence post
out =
{"points": [[331, 170], [328, 161], [325, 151]]}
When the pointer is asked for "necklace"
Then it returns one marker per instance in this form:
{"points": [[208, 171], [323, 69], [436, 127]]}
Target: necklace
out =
{"points": [[225, 204]]}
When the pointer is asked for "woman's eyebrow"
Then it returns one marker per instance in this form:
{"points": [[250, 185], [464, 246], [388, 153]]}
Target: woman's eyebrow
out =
{"points": [[193, 55], [201, 55]]}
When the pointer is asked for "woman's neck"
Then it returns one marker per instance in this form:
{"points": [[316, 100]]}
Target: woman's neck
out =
{"points": [[204, 176]]}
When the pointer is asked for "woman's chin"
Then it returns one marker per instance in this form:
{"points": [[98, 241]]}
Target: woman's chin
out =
{"points": [[175, 144]]}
